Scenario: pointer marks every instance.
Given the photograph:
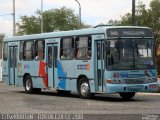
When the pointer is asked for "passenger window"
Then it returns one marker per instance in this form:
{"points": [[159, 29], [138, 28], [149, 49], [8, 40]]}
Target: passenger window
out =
{"points": [[83, 48], [28, 48], [5, 51], [50, 57], [21, 50], [67, 48], [39, 50]]}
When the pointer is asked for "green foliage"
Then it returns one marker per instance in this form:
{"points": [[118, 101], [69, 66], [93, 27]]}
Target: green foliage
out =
{"points": [[53, 20], [146, 17]]}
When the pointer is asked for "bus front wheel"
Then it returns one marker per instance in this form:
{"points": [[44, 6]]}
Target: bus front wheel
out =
{"points": [[84, 88], [127, 95], [29, 86]]}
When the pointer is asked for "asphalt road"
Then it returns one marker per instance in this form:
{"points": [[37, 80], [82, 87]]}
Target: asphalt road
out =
{"points": [[13, 100]]}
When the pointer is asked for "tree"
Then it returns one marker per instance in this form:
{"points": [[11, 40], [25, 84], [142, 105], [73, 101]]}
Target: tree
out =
{"points": [[146, 17], [53, 20], [113, 22], [155, 19]]}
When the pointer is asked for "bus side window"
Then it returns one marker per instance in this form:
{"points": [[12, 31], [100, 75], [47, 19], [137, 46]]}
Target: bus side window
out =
{"points": [[5, 51], [83, 48], [67, 49], [39, 49], [21, 50], [28, 48]]}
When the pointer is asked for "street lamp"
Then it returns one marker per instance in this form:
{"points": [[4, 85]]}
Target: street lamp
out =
{"points": [[79, 12]]}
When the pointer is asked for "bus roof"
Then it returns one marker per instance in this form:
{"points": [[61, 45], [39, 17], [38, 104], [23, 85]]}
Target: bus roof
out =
{"points": [[88, 31]]}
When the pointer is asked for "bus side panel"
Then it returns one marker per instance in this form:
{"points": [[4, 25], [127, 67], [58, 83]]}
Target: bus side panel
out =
{"points": [[65, 71], [20, 74], [38, 79], [86, 68], [5, 73], [73, 85], [19, 81], [32, 69]]}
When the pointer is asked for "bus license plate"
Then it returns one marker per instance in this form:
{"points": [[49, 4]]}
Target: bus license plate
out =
{"points": [[134, 88]]}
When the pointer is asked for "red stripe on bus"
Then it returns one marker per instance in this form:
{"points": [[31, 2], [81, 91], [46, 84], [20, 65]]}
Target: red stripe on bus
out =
{"points": [[42, 72]]}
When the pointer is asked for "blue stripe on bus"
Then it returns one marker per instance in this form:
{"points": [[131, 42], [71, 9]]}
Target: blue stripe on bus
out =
{"points": [[62, 74]]}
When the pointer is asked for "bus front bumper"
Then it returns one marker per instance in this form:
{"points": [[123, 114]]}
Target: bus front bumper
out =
{"points": [[117, 88]]}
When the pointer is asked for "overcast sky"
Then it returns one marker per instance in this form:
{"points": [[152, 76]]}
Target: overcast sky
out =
{"points": [[93, 11]]}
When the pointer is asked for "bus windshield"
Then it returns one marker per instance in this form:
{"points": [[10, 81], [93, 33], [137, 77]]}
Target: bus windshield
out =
{"points": [[129, 54]]}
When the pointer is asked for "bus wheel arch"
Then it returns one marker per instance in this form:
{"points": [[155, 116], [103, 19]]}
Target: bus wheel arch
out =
{"points": [[79, 78], [28, 85], [83, 87]]}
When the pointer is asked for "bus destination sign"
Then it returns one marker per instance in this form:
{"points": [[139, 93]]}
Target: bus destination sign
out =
{"points": [[129, 32]]}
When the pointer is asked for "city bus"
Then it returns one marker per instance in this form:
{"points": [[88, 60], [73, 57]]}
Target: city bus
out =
{"points": [[103, 59]]}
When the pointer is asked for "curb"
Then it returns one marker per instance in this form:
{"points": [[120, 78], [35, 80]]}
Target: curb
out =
{"points": [[148, 93]]}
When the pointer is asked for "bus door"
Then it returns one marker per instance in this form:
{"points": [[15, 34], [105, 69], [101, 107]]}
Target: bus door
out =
{"points": [[52, 51], [13, 51], [99, 66]]}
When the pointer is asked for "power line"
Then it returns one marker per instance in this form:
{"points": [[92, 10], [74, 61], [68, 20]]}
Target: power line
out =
{"points": [[6, 14]]}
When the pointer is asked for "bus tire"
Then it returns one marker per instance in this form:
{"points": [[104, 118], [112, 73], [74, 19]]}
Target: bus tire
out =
{"points": [[127, 95], [84, 89], [28, 85]]}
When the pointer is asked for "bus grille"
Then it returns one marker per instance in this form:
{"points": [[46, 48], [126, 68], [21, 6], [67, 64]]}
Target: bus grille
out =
{"points": [[135, 81]]}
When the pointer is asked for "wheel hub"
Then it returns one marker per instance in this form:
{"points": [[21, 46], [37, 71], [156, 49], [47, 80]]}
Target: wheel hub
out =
{"points": [[84, 88], [28, 85]]}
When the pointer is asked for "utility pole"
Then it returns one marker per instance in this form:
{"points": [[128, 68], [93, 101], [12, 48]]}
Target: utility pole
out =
{"points": [[133, 13], [79, 13], [14, 21], [41, 16]]}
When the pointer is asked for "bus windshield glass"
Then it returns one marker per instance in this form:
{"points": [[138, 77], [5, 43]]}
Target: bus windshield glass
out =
{"points": [[129, 54]]}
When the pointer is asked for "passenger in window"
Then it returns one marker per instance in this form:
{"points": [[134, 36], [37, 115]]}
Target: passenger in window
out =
{"points": [[64, 55], [89, 54], [37, 57], [79, 54]]}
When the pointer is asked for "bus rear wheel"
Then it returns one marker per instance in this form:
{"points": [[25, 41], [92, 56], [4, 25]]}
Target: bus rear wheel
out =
{"points": [[127, 95], [84, 88]]}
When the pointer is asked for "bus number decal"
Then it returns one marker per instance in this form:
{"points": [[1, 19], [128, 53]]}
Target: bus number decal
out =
{"points": [[83, 67]]}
